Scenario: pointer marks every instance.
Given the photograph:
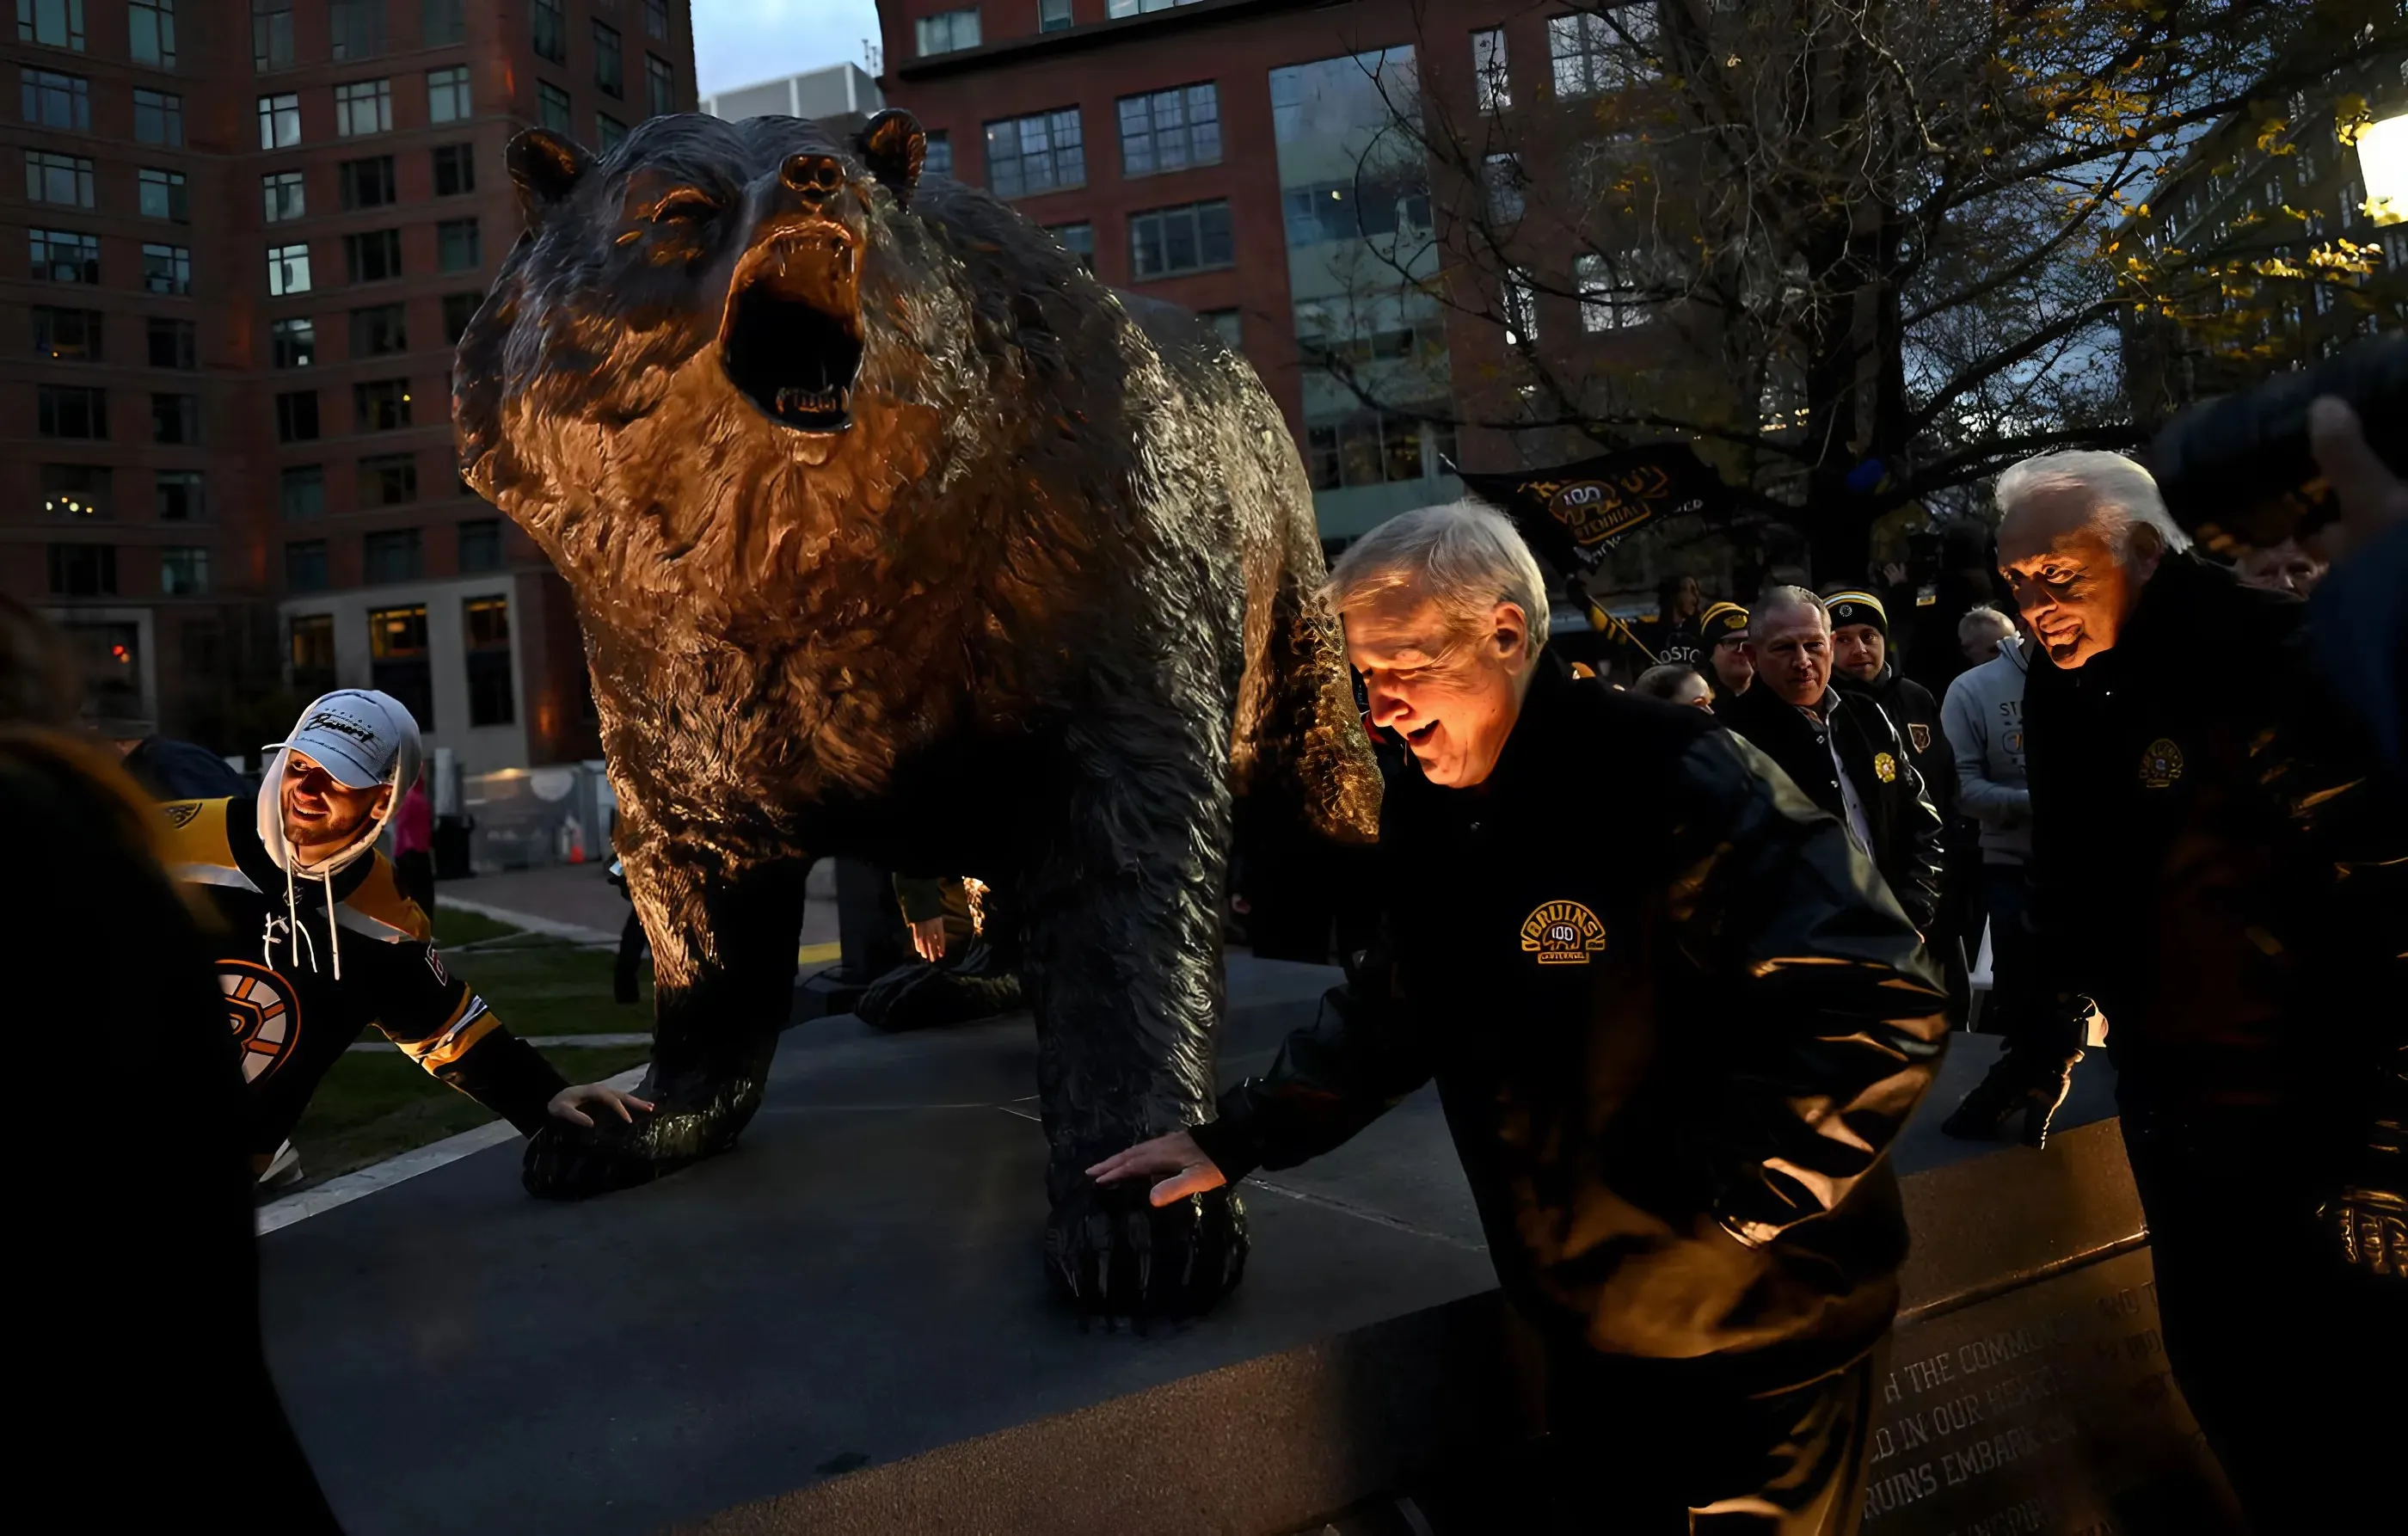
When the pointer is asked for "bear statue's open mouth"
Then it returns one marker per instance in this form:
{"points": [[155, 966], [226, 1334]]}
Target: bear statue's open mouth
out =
{"points": [[792, 343]]}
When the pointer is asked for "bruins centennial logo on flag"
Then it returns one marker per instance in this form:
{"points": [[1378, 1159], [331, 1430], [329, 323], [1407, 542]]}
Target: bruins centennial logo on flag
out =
{"points": [[1562, 933], [2161, 764]]}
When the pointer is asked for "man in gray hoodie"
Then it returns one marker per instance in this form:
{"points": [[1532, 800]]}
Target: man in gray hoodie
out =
{"points": [[1983, 719]]}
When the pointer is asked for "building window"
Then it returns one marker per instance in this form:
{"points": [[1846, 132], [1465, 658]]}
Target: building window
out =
{"points": [[608, 131], [551, 107], [394, 555], [1492, 87], [176, 496], [660, 86], [388, 479], [52, 23], [1052, 15], [455, 169], [176, 419], [304, 570], [150, 32], [443, 23], [656, 19], [458, 309], [457, 247], [271, 35], [1079, 240], [1518, 299], [481, 545], [1503, 174], [280, 121], [488, 623], [53, 100], [67, 336], [1037, 153], [1171, 130], [173, 343], [374, 256], [1226, 324], [609, 62], [312, 644], [550, 32], [64, 255], [364, 107], [356, 29], [167, 270], [947, 32], [71, 410], [380, 405], [283, 195], [158, 118], [75, 492], [1611, 296], [292, 343], [1355, 208], [447, 94], [288, 270], [62, 179], [83, 570], [183, 571], [397, 636], [301, 491], [297, 417], [380, 331], [1602, 50], [1364, 448], [365, 183], [162, 194], [1191, 238]]}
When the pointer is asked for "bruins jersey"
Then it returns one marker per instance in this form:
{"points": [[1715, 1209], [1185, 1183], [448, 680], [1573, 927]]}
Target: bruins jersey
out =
{"points": [[301, 984]]}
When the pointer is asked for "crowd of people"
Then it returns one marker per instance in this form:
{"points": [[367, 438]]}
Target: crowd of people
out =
{"points": [[1675, 1039]]}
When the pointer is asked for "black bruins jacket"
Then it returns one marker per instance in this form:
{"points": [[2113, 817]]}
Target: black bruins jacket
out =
{"points": [[2220, 860], [1912, 708], [1905, 825], [293, 1019], [1674, 1019]]}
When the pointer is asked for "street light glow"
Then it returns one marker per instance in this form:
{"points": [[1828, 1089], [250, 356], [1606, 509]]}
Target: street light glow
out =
{"points": [[2383, 155]]}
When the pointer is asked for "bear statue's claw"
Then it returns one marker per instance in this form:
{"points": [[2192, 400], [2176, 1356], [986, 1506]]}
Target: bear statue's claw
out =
{"points": [[566, 1162], [1109, 1254]]}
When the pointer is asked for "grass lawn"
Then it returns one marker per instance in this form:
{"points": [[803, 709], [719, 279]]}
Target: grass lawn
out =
{"points": [[375, 1105]]}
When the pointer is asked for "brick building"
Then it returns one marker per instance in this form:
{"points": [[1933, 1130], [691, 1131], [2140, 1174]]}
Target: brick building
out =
{"points": [[256, 228], [1240, 158]]}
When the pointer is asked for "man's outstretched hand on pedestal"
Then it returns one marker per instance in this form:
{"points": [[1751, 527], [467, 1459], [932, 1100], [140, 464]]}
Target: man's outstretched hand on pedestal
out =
{"points": [[1174, 1159]]}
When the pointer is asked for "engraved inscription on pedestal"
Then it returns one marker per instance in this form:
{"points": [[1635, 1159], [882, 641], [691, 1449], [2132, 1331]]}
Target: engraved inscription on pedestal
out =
{"points": [[2046, 1411]]}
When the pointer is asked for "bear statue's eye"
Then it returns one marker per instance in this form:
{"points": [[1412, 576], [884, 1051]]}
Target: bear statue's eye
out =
{"points": [[685, 206]]}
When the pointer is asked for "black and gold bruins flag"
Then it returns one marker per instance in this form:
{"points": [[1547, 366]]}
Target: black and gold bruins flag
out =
{"points": [[1573, 515]]}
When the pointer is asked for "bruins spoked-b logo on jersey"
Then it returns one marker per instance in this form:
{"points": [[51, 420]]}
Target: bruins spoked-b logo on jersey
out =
{"points": [[1562, 933], [2161, 764], [264, 1013]]}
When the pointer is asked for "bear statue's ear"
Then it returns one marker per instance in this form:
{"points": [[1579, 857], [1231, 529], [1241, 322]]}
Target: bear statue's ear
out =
{"points": [[546, 168], [894, 147]]}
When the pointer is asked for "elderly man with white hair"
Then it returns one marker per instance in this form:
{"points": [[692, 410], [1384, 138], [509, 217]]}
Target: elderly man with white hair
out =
{"points": [[1675, 1021], [2217, 861]]}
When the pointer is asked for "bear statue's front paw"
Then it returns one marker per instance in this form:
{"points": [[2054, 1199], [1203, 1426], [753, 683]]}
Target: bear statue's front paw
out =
{"points": [[693, 1121], [1108, 1252]]}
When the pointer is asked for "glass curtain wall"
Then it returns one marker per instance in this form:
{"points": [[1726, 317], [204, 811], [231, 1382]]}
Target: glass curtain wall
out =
{"points": [[1363, 270]]}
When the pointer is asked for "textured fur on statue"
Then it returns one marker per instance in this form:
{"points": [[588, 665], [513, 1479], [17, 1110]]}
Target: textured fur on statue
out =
{"points": [[896, 535]]}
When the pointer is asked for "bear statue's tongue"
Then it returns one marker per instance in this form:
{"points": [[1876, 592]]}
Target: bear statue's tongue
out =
{"points": [[790, 343]]}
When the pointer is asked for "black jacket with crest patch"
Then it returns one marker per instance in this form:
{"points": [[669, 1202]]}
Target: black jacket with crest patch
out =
{"points": [[1674, 1020]]}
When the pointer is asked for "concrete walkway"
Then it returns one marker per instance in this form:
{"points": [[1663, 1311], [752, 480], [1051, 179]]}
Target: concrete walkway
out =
{"points": [[576, 901]]}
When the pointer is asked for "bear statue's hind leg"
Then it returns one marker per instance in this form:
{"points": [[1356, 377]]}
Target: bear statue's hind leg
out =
{"points": [[1124, 956], [723, 926]]}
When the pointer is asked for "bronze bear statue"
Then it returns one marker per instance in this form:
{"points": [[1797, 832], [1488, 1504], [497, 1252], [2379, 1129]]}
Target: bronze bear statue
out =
{"points": [[896, 535]]}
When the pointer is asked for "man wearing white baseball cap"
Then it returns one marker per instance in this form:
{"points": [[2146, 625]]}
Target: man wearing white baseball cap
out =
{"points": [[320, 942]]}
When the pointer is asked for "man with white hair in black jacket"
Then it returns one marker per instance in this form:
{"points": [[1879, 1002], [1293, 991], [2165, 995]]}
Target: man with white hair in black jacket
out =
{"points": [[2218, 860], [1698, 1217]]}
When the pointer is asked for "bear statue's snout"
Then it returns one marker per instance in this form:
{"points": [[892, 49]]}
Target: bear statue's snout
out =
{"points": [[790, 342]]}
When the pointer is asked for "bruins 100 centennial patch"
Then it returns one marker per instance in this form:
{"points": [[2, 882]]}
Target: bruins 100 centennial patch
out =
{"points": [[1562, 933]]}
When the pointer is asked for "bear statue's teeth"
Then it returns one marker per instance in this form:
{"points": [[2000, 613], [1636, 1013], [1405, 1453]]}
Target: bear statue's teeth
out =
{"points": [[794, 400]]}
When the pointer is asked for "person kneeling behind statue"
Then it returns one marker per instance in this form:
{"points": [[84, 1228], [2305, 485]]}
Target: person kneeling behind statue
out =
{"points": [[2219, 859], [1698, 1217], [1843, 750], [316, 939]]}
